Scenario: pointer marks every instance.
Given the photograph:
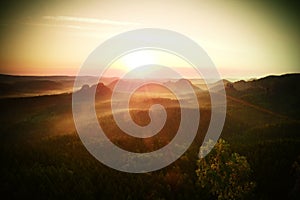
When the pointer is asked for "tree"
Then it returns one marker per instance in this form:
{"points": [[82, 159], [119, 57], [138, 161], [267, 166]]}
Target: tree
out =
{"points": [[224, 174]]}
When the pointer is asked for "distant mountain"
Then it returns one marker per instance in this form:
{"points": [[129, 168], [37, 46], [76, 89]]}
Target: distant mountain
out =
{"points": [[25, 86], [277, 93], [242, 85], [179, 86], [175, 85], [217, 86], [271, 83], [102, 91], [153, 87], [124, 84]]}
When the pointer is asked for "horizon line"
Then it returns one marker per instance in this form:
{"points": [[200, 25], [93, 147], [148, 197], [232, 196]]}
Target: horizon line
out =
{"points": [[223, 78]]}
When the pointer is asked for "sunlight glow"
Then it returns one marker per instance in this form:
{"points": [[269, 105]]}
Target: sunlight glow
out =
{"points": [[148, 57], [138, 58], [245, 39]]}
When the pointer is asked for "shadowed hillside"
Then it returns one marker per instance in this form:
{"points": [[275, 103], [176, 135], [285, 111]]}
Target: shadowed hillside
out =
{"points": [[43, 157], [280, 94]]}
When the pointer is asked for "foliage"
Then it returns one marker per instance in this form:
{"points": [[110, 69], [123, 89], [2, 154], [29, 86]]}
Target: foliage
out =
{"points": [[42, 157], [226, 175]]}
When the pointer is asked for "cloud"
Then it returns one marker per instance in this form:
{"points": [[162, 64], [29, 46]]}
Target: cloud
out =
{"points": [[78, 23], [58, 25], [88, 20]]}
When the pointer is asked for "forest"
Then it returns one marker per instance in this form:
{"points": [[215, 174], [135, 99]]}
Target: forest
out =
{"points": [[256, 157]]}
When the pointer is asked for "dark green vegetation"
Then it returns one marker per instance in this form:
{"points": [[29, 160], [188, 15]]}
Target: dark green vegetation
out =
{"points": [[42, 156], [223, 173]]}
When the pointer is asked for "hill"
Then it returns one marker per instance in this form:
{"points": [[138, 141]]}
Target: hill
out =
{"points": [[280, 94], [42, 156]]}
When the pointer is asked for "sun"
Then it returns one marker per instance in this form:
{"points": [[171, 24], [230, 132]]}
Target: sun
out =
{"points": [[138, 58]]}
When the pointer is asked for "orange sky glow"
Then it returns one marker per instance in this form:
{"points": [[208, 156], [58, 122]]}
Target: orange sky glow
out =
{"points": [[243, 39]]}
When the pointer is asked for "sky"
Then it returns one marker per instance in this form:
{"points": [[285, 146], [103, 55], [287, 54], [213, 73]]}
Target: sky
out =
{"points": [[245, 39]]}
